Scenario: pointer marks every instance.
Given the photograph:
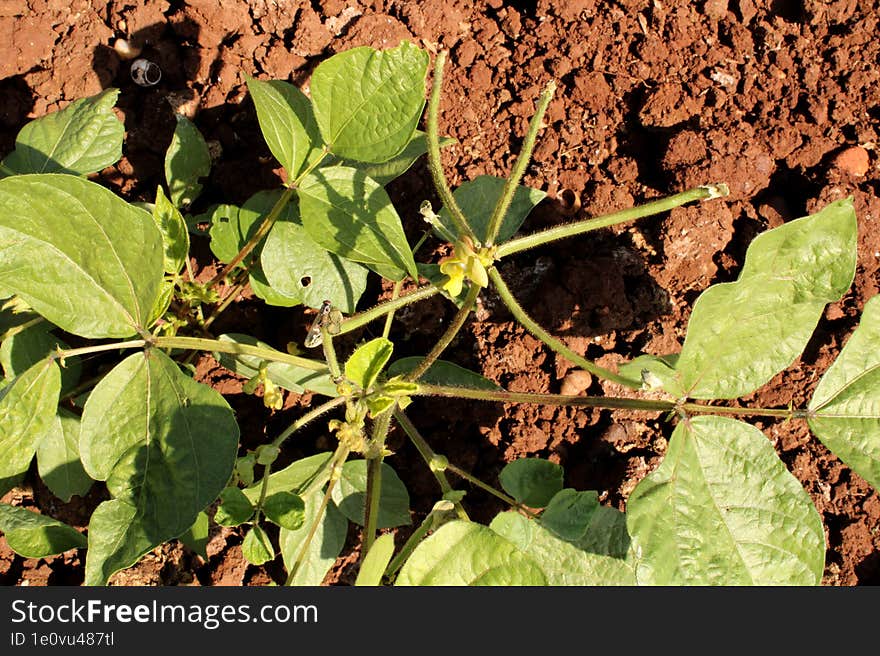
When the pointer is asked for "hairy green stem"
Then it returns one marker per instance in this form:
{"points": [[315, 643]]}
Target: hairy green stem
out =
{"points": [[220, 346], [363, 318], [488, 488], [374, 481], [519, 168], [555, 344], [307, 418], [389, 318], [330, 354], [623, 216], [434, 164]]}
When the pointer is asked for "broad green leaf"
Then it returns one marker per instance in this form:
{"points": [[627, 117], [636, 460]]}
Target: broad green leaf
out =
{"points": [[367, 362], [82, 138], [845, 408], [569, 512], [175, 236], [743, 333], [289, 376], [187, 161], [385, 172], [79, 255], [477, 199], [21, 351], [722, 509], [285, 509], [231, 227], [351, 215], [563, 562], [368, 102], [166, 446], [37, 536], [296, 267], [531, 481], [117, 539], [287, 123], [27, 413], [162, 303], [350, 495], [234, 509], [442, 372], [262, 289], [58, 458], [293, 478], [324, 547], [463, 553], [197, 537], [256, 547], [376, 561]]}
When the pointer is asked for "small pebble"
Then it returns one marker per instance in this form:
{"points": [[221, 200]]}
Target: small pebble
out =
{"points": [[576, 382], [853, 161]]}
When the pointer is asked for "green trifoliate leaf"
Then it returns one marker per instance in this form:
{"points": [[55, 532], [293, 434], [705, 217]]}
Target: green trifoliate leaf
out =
{"points": [[27, 413], [82, 138], [196, 538], [297, 267], [324, 547], [21, 351], [385, 172], [58, 458], [293, 478], [569, 512], [722, 509], [477, 199], [175, 236], [166, 446], [442, 372], [367, 362], [532, 481], [376, 561], [563, 562], [743, 333], [351, 215], [368, 102], [285, 509], [187, 161], [234, 509], [463, 553], [37, 536], [256, 547], [79, 255], [350, 495], [287, 123], [845, 408]]}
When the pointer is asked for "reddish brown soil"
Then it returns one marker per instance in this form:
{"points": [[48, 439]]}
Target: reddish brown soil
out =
{"points": [[783, 104]]}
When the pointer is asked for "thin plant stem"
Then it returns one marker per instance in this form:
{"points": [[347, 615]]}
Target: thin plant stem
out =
{"points": [[519, 168], [555, 344], [434, 163], [488, 488], [98, 348], [706, 192], [220, 346], [363, 318], [374, 481], [330, 354], [308, 417], [192, 279], [409, 546], [389, 318], [21, 327], [224, 305]]}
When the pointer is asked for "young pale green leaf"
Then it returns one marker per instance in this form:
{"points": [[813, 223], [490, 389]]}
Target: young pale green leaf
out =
{"points": [[21, 351], [285, 509], [569, 512], [324, 547], [376, 561], [368, 102], [294, 477], [743, 333], [27, 413], [234, 509], [196, 538], [350, 495], [385, 172], [82, 138], [351, 215], [367, 362], [532, 481], [845, 408], [463, 553], [442, 372], [287, 123], [187, 161], [722, 509], [654, 372], [166, 446], [295, 266], [58, 458], [256, 547], [79, 255], [175, 236], [37, 536], [477, 199], [563, 562], [289, 376]]}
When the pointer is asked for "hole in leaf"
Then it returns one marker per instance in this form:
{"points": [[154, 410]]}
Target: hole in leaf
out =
{"points": [[305, 281]]}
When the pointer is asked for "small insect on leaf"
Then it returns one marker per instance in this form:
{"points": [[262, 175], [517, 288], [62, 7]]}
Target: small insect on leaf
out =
{"points": [[314, 337]]}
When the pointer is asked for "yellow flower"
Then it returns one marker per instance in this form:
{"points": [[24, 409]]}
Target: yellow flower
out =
{"points": [[466, 263]]}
